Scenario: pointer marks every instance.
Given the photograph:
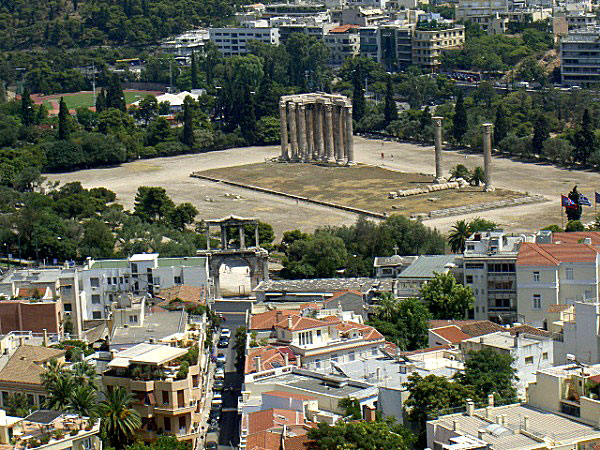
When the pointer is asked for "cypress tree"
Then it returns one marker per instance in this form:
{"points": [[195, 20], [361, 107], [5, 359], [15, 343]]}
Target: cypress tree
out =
{"points": [[459, 122], [194, 72], [101, 101], [358, 96], [540, 133], [27, 113], [585, 141], [63, 117], [248, 117], [188, 126], [390, 109], [2, 91], [500, 124], [114, 95]]}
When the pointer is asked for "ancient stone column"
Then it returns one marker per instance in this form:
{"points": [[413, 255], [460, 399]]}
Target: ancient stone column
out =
{"points": [[349, 135], [293, 131], [339, 131], [487, 156], [284, 134], [301, 132], [242, 237], [310, 134], [437, 126], [329, 146], [207, 237], [319, 144]]}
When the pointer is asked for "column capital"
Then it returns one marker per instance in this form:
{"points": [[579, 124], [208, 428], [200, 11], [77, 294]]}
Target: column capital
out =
{"points": [[437, 121], [328, 107], [292, 105], [487, 127], [302, 107], [282, 103]]}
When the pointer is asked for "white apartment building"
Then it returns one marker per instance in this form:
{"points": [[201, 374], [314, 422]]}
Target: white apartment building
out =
{"points": [[489, 265], [104, 281], [343, 42], [481, 11], [186, 43], [530, 352], [232, 41], [430, 41], [554, 274], [580, 334]]}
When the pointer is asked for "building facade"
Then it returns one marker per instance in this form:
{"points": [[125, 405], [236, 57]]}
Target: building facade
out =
{"points": [[579, 61], [232, 41], [431, 40]]}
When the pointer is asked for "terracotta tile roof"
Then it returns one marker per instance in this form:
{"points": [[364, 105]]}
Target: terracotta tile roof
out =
{"points": [[343, 28], [390, 348], [368, 333], [331, 319], [187, 294], [576, 237], [289, 395], [301, 323], [553, 254], [264, 440], [451, 333], [443, 323], [271, 418], [481, 327], [270, 358], [268, 319], [426, 350], [557, 308], [301, 442], [26, 364], [528, 329]]}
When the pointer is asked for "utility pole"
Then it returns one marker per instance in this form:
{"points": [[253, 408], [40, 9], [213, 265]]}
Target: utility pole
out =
{"points": [[170, 76], [94, 81]]}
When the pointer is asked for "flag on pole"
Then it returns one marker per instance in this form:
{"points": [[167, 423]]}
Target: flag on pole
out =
{"points": [[597, 197], [567, 202], [583, 200]]}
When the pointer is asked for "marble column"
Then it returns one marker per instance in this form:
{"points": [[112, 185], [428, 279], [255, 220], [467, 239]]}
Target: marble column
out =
{"points": [[437, 126], [284, 134], [349, 135], [487, 156], [301, 132], [310, 138], [319, 138], [339, 131], [242, 237], [256, 236], [208, 237], [328, 132], [293, 132]]}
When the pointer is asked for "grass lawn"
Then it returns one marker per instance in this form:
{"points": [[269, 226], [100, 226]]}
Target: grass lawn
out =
{"points": [[360, 186], [86, 99]]}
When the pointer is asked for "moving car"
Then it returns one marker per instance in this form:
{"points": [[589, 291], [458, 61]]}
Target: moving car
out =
{"points": [[225, 333]]}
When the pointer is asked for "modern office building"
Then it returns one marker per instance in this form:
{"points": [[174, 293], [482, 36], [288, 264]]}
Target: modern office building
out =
{"points": [[579, 57], [232, 41]]}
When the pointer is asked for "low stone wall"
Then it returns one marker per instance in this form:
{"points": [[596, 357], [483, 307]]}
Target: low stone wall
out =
{"points": [[458, 184], [460, 210], [363, 212]]}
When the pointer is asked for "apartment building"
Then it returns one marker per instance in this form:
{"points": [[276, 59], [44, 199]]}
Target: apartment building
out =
{"points": [[481, 11], [489, 267], [105, 281], [531, 352], [431, 39], [395, 45], [316, 27], [300, 9], [343, 42], [579, 61], [166, 390], [365, 17], [232, 41], [577, 332], [554, 274], [186, 43]]}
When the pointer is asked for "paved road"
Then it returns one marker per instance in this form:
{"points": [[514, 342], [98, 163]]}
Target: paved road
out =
{"points": [[234, 312]]}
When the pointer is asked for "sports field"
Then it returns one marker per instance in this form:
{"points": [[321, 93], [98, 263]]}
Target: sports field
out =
{"points": [[85, 99]]}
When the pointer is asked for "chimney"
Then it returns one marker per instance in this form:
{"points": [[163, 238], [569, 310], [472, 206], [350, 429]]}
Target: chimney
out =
{"points": [[480, 434], [455, 425], [470, 407], [369, 413], [286, 359], [258, 365], [298, 361], [491, 400], [525, 423], [45, 344], [503, 419], [289, 322], [517, 339], [378, 373], [499, 419], [278, 317]]}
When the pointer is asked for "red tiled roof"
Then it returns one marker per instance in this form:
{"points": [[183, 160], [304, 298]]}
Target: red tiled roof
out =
{"points": [[451, 333], [265, 420], [301, 442], [331, 319], [264, 440], [427, 350], [528, 329], [270, 358], [368, 333], [473, 328], [289, 395], [553, 254], [343, 28], [268, 319], [300, 323], [576, 237]]}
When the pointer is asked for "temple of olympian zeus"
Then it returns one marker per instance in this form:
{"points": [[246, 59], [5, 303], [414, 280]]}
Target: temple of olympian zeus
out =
{"points": [[319, 128]]}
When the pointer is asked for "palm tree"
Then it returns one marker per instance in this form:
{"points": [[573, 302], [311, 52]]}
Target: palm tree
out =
{"points": [[83, 401], [119, 420], [458, 236], [54, 370], [84, 374], [59, 392], [478, 176], [388, 305]]}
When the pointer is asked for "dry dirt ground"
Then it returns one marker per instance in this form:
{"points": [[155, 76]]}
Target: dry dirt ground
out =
{"points": [[361, 186], [284, 214]]}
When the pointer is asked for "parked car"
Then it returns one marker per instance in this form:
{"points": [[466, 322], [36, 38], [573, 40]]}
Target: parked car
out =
{"points": [[215, 415], [220, 365], [225, 333], [217, 401], [219, 374], [211, 445], [213, 426], [222, 357], [223, 343], [218, 385]]}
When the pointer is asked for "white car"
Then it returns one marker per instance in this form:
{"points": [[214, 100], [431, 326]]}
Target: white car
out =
{"points": [[222, 357], [217, 401], [220, 374], [225, 333]]}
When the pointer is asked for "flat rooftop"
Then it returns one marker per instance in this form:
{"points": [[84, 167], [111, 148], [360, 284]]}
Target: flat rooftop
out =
{"points": [[504, 340], [152, 354], [426, 266], [542, 425], [157, 325], [326, 285]]}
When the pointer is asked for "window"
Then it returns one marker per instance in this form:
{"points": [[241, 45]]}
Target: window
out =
{"points": [[133, 319], [109, 280], [537, 301], [569, 273], [30, 399], [177, 280], [4, 399], [165, 398], [114, 280], [318, 333], [374, 351], [536, 277], [529, 360], [41, 400], [318, 363], [96, 315], [544, 356], [167, 424], [134, 268], [469, 278], [95, 299], [306, 338], [351, 356], [181, 423], [121, 280], [334, 357], [68, 307], [94, 282]]}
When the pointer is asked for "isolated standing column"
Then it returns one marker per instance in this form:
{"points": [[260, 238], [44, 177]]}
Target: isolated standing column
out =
{"points": [[284, 134], [329, 145], [302, 132], [319, 144], [293, 132], [437, 125], [310, 138], [349, 135], [339, 116], [487, 156]]}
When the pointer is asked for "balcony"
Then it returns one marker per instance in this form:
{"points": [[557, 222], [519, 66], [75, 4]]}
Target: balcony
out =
{"points": [[179, 408]]}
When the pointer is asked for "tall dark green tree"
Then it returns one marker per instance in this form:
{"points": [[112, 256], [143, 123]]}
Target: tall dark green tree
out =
{"points": [[194, 72], [188, 125], [459, 122], [2, 91], [27, 112], [63, 120], [101, 101], [114, 95], [248, 117], [390, 110], [500, 124], [540, 133], [584, 139], [358, 95]]}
